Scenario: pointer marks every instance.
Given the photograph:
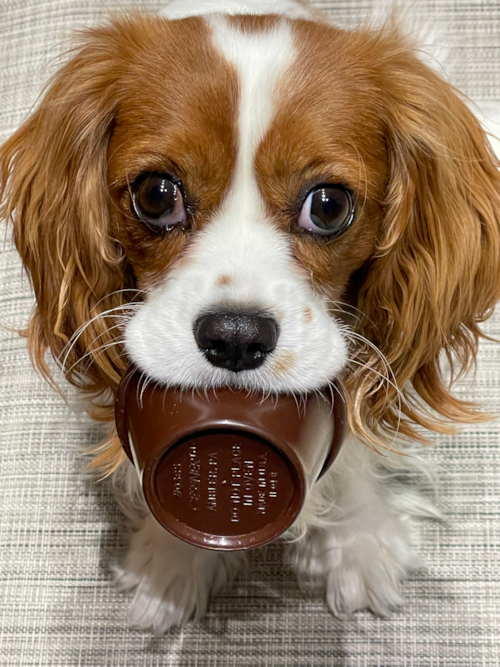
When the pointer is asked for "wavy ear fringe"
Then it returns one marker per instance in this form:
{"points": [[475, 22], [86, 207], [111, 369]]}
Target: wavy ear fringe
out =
{"points": [[436, 275], [107, 457], [53, 189]]}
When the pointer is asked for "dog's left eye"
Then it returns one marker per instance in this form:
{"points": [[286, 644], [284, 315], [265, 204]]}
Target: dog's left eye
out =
{"points": [[327, 211], [158, 201]]}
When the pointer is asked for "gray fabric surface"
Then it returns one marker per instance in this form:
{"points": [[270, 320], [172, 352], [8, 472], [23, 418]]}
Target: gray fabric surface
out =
{"points": [[60, 532]]}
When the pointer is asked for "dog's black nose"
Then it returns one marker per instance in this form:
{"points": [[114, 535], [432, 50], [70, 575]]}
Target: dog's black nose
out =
{"points": [[234, 340]]}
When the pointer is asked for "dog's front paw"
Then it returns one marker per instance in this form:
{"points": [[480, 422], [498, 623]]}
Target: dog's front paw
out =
{"points": [[355, 535], [368, 573], [172, 580], [361, 570]]}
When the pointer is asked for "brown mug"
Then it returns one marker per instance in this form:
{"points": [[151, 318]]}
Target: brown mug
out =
{"points": [[225, 469]]}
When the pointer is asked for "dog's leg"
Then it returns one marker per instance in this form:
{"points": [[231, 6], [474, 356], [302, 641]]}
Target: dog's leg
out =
{"points": [[172, 581], [358, 529]]}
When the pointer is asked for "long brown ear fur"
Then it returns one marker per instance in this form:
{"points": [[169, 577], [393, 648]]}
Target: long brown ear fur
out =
{"points": [[436, 275], [53, 188], [54, 191]]}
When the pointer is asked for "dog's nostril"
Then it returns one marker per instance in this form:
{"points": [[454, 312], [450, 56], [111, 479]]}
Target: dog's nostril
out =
{"points": [[257, 348], [217, 345], [235, 340]]}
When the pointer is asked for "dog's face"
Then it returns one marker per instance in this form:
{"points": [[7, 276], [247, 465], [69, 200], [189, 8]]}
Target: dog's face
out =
{"points": [[247, 192], [260, 202]]}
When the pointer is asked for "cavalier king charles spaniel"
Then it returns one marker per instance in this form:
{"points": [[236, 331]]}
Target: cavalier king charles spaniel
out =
{"points": [[250, 157]]}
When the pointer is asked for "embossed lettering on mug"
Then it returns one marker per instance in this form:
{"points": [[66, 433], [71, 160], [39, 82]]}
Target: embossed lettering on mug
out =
{"points": [[194, 478], [248, 483], [177, 491], [212, 482], [261, 509], [235, 483]]}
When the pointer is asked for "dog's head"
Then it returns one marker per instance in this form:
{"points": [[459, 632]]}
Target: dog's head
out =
{"points": [[258, 201]]}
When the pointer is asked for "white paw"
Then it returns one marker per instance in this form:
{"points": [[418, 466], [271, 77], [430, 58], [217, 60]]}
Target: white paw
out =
{"points": [[355, 536], [368, 573], [172, 580], [360, 570]]}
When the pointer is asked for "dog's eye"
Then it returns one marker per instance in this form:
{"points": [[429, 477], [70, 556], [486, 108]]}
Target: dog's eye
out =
{"points": [[327, 211], [158, 201]]}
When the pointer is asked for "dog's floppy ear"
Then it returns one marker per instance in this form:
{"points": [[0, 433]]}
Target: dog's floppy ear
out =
{"points": [[53, 188], [436, 275]]}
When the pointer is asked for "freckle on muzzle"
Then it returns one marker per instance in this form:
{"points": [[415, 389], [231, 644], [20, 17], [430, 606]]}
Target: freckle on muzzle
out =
{"points": [[227, 470]]}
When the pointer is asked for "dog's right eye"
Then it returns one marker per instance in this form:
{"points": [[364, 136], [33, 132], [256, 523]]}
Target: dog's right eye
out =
{"points": [[158, 202]]}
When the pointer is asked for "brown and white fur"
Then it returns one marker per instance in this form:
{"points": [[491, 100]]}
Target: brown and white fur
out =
{"points": [[250, 108]]}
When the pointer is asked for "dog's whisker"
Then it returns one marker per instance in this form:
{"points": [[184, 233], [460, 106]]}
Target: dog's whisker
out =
{"points": [[383, 378], [357, 336], [341, 305], [401, 398], [145, 383], [92, 354], [84, 326], [74, 338], [104, 333], [138, 391], [334, 307], [123, 290]]}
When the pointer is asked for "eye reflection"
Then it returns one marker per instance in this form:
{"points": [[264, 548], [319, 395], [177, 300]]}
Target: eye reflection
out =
{"points": [[157, 201], [328, 210]]}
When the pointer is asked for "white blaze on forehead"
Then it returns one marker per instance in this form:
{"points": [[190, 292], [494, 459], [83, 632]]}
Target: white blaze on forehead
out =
{"points": [[241, 239], [261, 60]]}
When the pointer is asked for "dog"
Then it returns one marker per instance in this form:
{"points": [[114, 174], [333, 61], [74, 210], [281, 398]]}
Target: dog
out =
{"points": [[233, 195]]}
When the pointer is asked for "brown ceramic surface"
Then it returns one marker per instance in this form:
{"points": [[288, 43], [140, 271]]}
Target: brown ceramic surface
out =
{"points": [[226, 470]]}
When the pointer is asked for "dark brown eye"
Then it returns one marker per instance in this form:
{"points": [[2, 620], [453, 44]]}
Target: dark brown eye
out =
{"points": [[158, 201], [327, 211]]}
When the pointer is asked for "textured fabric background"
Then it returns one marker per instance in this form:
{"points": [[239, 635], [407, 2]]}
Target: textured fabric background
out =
{"points": [[60, 532]]}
